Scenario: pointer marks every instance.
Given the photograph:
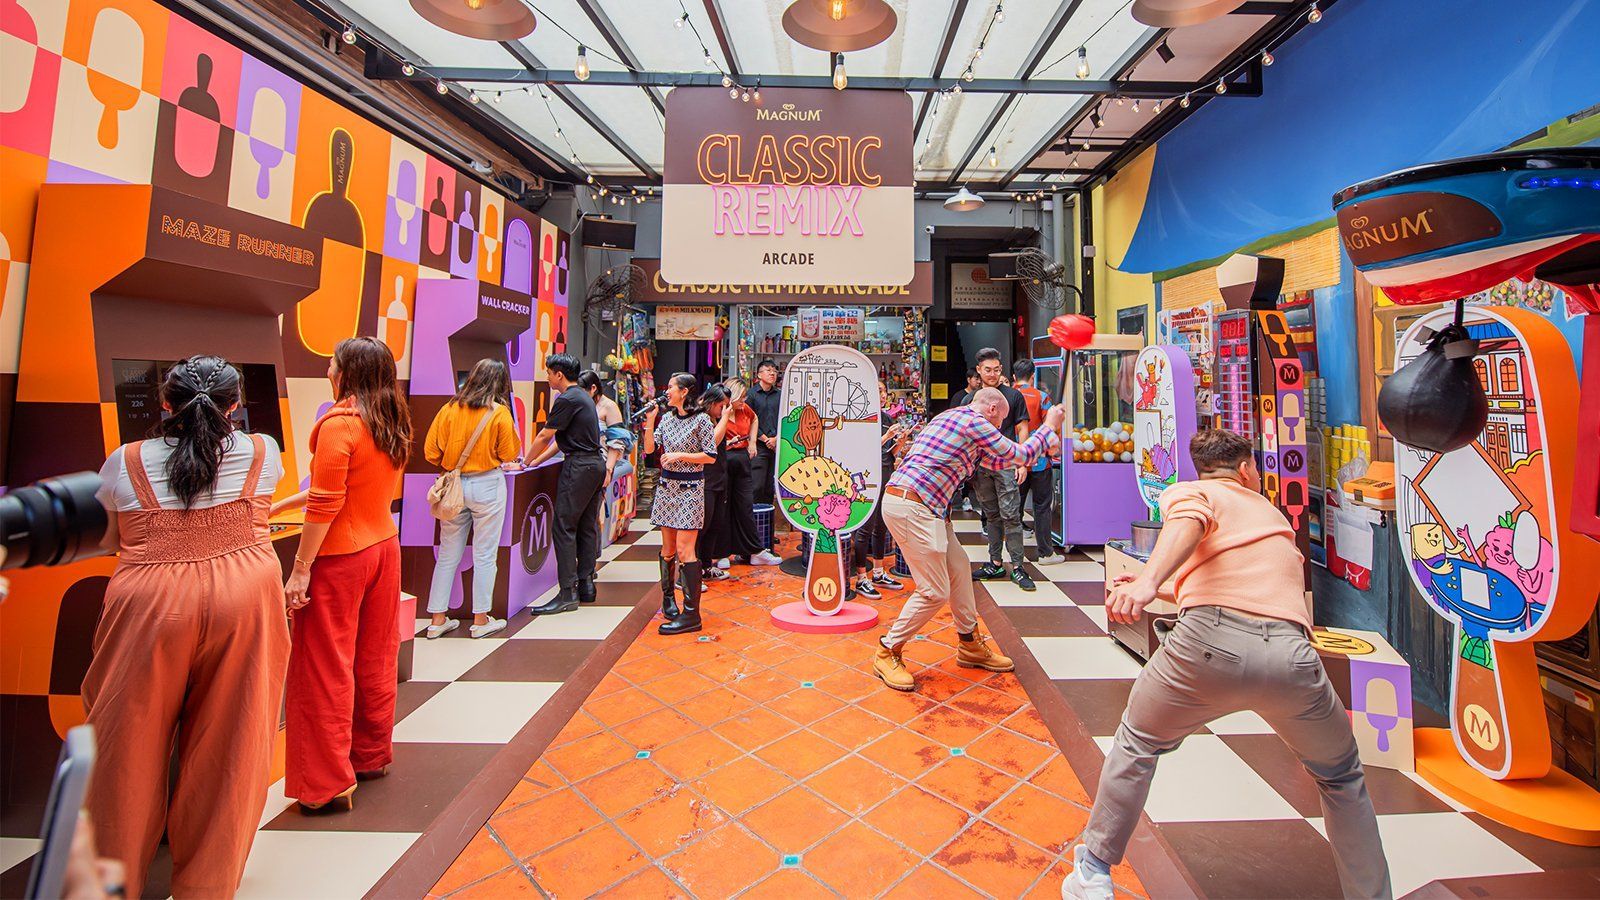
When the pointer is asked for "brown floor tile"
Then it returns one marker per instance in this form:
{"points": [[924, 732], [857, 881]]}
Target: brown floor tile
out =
{"points": [[617, 790], [763, 686], [1052, 621], [1252, 859], [858, 862], [930, 881], [677, 687], [1028, 723], [1098, 703], [949, 727], [743, 784], [671, 821], [656, 729], [649, 884], [424, 779], [851, 727], [1558, 885], [534, 827], [896, 706], [714, 706], [754, 728], [801, 754], [621, 593], [1010, 753], [412, 694], [986, 703], [1058, 778], [855, 785], [582, 758], [1542, 853], [918, 819], [905, 753], [1084, 593], [1267, 754], [1040, 818], [507, 883], [967, 783], [787, 884], [540, 660], [585, 865], [482, 857], [805, 705], [722, 863], [695, 755], [623, 706], [580, 726], [984, 855], [794, 820]]}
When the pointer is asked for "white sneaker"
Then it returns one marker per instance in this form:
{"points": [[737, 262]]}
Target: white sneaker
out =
{"points": [[766, 558], [437, 631], [723, 564], [487, 628], [1082, 884], [1052, 559]]}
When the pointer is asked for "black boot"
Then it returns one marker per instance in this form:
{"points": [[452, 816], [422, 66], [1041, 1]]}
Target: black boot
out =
{"points": [[563, 601], [586, 591], [688, 618], [669, 587]]}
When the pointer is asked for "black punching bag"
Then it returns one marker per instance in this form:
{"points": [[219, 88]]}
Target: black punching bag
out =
{"points": [[1436, 402]]}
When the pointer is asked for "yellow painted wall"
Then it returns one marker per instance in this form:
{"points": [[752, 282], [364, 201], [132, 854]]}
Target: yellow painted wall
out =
{"points": [[1117, 206]]}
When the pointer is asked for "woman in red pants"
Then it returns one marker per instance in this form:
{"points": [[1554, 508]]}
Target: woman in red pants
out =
{"points": [[344, 593]]}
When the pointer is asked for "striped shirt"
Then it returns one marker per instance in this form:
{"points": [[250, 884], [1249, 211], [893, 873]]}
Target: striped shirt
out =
{"points": [[950, 447]]}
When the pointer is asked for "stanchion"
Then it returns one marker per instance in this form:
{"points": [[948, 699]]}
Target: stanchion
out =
{"points": [[900, 569], [763, 512]]}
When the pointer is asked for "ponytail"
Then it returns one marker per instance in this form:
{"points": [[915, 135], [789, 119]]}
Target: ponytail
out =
{"points": [[199, 391]]}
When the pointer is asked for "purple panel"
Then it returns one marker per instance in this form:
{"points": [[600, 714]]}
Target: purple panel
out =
{"points": [[464, 240], [57, 172], [520, 257], [529, 524], [1099, 501], [1362, 672], [416, 521], [563, 243], [444, 306], [402, 230], [255, 75]]}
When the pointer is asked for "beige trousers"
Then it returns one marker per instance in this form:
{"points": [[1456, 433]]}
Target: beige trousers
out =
{"points": [[939, 566]]}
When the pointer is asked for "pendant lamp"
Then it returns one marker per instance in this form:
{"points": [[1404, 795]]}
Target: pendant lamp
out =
{"points": [[1179, 13], [963, 201], [838, 26], [486, 20]]}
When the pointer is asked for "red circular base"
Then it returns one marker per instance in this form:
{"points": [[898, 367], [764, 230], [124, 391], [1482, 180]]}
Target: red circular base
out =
{"points": [[850, 617]]}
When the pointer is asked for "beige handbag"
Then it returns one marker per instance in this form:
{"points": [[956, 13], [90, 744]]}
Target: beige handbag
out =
{"points": [[445, 499]]}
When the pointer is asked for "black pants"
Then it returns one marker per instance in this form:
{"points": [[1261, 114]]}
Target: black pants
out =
{"points": [[577, 532], [866, 538], [1040, 485], [711, 544], [766, 463], [741, 522]]}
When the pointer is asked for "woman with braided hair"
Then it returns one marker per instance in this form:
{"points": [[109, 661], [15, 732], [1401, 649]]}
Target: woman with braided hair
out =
{"points": [[190, 652]]}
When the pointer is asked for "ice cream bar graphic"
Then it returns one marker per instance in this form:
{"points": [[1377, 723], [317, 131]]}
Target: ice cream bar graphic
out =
{"points": [[405, 200], [1382, 709], [115, 68], [19, 38], [269, 125]]}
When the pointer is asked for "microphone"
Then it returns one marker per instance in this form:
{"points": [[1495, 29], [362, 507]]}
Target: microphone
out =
{"points": [[644, 410]]}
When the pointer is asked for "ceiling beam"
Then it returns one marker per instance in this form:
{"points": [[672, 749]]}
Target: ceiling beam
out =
{"points": [[1100, 146], [602, 22], [1260, 8], [1030, 63], [531, 63], [950, 29], [714, 11]]}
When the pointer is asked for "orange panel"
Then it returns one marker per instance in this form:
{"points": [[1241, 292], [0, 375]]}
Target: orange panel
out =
{"points": [[19, 200], [28, 622]]}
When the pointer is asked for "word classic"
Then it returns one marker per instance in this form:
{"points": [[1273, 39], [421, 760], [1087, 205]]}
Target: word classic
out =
{"points": [[809, 184]]}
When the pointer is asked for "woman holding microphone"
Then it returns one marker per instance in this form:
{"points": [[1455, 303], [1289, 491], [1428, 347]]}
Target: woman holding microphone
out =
{"points": [[688, 443]]}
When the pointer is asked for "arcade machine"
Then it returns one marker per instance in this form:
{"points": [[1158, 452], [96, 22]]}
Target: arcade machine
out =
{"points": [[1497, 483], [1099, 493]]}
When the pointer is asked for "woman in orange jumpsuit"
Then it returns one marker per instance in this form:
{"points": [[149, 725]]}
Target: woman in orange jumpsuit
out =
{"points": [[189, 655], [344, 592]]}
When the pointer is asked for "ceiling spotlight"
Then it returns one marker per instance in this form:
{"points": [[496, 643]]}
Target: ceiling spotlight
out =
{"points": [[1222, 86], [1315, 15], [1184, 102], [726, 81], [1165, 52], [681, 21], [407, 69], [581, 68], [485, 20], [840, 80], [839, 25], [349, 36], [963, 201], [1267, 59], [441, 87], [1083, 62]]}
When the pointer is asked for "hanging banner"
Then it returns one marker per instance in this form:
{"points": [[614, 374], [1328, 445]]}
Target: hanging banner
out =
{"points": [[833, 324], [972, 288], [686, 323], [916, 292], [804, 186]]}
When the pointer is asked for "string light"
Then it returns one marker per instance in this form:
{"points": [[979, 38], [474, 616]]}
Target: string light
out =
{"points": [[679, 22], [1136, 104], [710, 60], [999, 13], [581, 69], [745, 96], [1315, 15], [349, 35], [956, 89], [1266, 59], [733, 93], [994, 158], [1222, 86], [1184, 102], [726, 81], [1155, 108], [496, 98], [1083, 62], [1119, 101], [967, 76], [473, 97], [441, 87], [407, 69]]}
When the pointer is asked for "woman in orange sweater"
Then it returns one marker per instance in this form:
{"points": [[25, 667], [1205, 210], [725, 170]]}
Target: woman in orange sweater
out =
{"points": [[344, 593], [481, 402]]}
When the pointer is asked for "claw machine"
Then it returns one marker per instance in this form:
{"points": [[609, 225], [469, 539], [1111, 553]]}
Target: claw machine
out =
{"points": [[1099, 494]]}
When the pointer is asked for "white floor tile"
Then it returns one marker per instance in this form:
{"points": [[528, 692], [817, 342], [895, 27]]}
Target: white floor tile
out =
{"points": [[1245, 722], [1097, 612], [629, 570], [15, 850], [649, 539], [1005, 593], [1425, 847], [448, 658], [276, 803], [978, 553], [640, 525], [612, 551], [1441, 795], [475, 712], [1098, 554], [319, 863], [1082, 657], [1074, 570], [1205, 781], [970, 526], [592, 623]]}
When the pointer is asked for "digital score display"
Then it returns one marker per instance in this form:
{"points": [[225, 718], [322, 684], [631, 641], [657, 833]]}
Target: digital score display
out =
{"points": [[136, 389]]}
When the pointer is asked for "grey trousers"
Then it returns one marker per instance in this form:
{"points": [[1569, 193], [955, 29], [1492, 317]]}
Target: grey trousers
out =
{"points": [[1215, 662], [1001, 502]]}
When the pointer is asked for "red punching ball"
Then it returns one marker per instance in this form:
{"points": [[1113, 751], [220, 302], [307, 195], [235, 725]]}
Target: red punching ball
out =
{"points": [[1071, 331]]}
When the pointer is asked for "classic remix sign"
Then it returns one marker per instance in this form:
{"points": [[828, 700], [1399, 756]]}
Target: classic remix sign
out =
{"points": [[804, 187]]}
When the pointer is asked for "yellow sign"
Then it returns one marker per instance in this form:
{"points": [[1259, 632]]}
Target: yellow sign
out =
{"points": [[1342, 644], [939, 391], [941, 353]]}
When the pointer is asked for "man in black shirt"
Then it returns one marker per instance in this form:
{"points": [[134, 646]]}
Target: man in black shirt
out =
{"points": [[575, 426], [764, 399], [974, 384], [996, 489]]}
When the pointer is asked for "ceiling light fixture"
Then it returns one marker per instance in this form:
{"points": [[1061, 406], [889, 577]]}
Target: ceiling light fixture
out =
{"points": [[1136, 104], [839, 26], [1222, 86], [1267, 59], [1184, 102], [840, 79], [486, 20], [994, 158], [581, 67], [441, 87], [1315, 15], [999, 13], [407, 69], [349, 35], [1179, 13], [963, 201], [726, 81], [680, 21], [1165, 52], [1083, 62]]}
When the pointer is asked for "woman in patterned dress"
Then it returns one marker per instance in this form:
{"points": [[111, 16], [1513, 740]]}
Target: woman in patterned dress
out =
{"points": [[687, 440]]}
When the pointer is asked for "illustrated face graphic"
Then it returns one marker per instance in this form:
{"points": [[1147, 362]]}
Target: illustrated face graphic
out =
{"points": [[1428, 543]]}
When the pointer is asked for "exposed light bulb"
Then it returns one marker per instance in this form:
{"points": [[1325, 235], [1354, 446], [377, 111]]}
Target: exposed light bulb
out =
{"points": [[473, 97], [840, 80], [999, 13], [1315, 15], [1155, 107], [1083, 62], [726, 81], [733, 93], [710, 61], [495, 98], [978, 53], [581, 68], [1119, 101], [1096, 119], [967, 76], [1267, 59], [589, 179], [956, 89], [681, 21], [994, 158], [603, 190], [1222, 86], [1184, 102], [441, 87], [407, 69], [836, 10], [756, 95], [745, 96], [1086, 145], [349, 35]]}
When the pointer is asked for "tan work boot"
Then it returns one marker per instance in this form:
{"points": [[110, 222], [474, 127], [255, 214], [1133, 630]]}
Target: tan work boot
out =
{"points": [[892, 669], [975, 654]]}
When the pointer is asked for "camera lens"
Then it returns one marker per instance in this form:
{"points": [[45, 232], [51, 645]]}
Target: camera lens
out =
{"points": [[53, 522]]}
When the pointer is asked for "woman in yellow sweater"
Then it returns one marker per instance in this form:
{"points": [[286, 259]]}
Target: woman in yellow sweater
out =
{"points": [[483, 486]]}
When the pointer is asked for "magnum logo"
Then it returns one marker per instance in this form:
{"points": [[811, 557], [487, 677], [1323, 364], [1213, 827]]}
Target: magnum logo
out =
{"points": [[787, 113], [1401, 225]]}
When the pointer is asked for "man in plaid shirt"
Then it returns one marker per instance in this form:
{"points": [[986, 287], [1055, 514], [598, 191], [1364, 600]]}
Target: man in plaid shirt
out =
{"points": [[916, 507]]}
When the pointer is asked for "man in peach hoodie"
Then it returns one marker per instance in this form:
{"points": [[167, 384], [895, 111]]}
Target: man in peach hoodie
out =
{"points": [[1241, 642]]}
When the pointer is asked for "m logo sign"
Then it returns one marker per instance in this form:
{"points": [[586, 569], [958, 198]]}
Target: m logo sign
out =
{"points": [[533, 541]]}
